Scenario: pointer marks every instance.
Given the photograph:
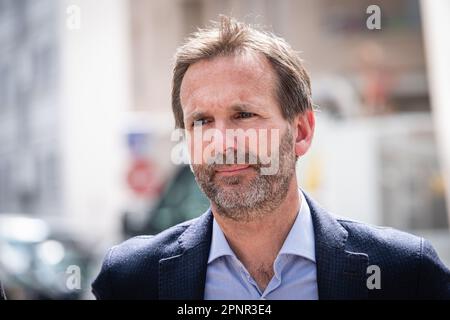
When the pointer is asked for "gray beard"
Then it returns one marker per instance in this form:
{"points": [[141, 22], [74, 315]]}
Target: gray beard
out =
{"points": [[249, 200]]}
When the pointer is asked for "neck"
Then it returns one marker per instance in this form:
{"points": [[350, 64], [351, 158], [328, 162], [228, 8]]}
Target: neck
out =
{"points": [[257, 243]]}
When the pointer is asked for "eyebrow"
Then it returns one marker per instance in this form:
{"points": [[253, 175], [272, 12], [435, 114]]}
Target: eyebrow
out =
{"points": [[240, 107]]}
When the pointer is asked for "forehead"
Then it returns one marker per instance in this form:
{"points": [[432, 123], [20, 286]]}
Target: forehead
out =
{"points": [[225, 79]]}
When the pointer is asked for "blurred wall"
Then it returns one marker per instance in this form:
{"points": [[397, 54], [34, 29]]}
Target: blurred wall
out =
{"points": [[436, 22], [94, 98]]}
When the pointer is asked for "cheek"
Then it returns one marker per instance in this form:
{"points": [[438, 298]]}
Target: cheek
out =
{"points": [[194, 146], [201, 149], [269, 141]]}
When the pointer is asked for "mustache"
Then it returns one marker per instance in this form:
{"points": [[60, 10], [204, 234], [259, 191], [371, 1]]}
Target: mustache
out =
{"points": [[231, 157], [234, 157]]}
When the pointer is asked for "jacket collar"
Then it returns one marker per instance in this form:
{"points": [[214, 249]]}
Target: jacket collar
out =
{"points": [[341, 274], [183, 276]]}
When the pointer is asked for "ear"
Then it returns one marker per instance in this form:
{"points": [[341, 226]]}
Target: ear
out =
{"points": [[303, 126]]}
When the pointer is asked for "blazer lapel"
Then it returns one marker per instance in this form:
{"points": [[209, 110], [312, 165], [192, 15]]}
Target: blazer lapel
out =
{"points": [[182, 276], [341, 274]]}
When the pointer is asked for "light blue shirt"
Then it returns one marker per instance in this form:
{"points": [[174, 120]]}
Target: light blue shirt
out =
{"points": [[295, 274]]}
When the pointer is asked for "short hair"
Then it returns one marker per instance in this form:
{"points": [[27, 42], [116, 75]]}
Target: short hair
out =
{"points": [[228, 37]]}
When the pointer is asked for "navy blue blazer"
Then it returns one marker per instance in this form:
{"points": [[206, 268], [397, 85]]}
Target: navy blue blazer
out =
{"points": [[172, 264]]}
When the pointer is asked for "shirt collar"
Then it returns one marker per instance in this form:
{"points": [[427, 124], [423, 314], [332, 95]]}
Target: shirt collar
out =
{"points": [[299, 241], [219, 244]]}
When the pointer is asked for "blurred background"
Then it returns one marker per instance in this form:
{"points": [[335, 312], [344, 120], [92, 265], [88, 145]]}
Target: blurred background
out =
{"points": [[86, 123]]}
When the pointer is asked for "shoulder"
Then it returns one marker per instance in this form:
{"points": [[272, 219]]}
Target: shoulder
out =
{"points": [[135, 261], [361, 237], [152, 246], [367, 237], [405, 260]]}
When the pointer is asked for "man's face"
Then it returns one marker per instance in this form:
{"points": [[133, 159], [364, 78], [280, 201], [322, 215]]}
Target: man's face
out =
{"points": [[218, 97]]}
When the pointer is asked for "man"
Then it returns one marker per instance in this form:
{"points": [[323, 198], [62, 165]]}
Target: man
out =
{"points": [[262, 237]]}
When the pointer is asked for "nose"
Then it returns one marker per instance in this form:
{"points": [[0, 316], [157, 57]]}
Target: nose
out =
{"points": [[224, 138]]}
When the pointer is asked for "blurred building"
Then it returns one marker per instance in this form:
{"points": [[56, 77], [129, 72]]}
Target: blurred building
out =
{"points": [[30, 159], [63, 92]]}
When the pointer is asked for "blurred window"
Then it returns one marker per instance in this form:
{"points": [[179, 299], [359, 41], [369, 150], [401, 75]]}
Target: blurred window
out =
{"points": [[412, 185]]}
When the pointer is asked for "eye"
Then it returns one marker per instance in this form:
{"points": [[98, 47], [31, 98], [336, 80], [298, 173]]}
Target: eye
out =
{"points": [[245, 115], [200, 122]]}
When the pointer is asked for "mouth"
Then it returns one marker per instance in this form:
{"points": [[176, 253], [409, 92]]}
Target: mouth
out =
{"points": [[233, 169]]}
